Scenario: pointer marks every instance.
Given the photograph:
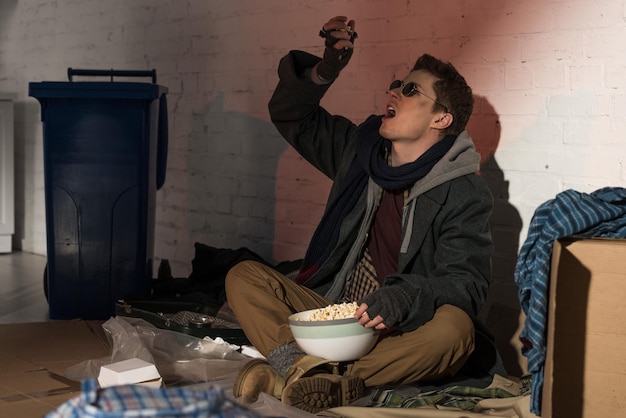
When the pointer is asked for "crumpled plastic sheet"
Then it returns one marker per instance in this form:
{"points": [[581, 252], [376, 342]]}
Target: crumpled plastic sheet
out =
{"points": [[181, 359]]}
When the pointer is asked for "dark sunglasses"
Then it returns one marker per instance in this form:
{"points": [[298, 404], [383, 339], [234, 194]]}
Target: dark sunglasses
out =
{"points": [[410, 89]]}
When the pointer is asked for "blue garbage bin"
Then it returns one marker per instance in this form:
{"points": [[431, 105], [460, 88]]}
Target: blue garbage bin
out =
{"points": [[105, 154]]}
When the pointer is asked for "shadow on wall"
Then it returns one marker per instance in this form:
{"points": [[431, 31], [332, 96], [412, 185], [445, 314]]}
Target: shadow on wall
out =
{"points": [[502, 310], [7, 7], [232, 166]]}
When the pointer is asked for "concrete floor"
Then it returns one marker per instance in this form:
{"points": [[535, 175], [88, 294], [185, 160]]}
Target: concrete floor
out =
{"points": [[22, 296]]}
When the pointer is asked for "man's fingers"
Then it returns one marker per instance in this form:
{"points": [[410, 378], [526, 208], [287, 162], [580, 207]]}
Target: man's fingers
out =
{"points": [[352, 24], [335, 23], [339, 27], [343, 44], [376, 322]]}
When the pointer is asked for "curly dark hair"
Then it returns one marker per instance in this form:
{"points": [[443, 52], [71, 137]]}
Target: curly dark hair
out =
{"points": [[452, 91]]}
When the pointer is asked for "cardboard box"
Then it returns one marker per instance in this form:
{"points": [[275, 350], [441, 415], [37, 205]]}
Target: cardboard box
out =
{"points": [[131, 371], [34, 357], [585, 369]]}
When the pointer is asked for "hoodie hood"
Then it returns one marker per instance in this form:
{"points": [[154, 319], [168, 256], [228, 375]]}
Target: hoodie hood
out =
{"points": [[460, 160]]}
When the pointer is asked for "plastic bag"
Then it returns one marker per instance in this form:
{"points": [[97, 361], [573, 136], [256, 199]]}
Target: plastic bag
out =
{"points": [[181, 359]]}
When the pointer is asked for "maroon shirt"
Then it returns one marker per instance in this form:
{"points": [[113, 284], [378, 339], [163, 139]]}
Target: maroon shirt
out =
{"points": [[386, 234]]}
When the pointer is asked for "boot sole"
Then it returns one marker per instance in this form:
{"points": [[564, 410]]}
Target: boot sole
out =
{"points": [[322, 391]]}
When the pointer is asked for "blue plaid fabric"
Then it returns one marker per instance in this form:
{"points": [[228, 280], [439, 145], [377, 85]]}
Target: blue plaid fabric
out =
{"points": [[599, 214], [137, 401]]}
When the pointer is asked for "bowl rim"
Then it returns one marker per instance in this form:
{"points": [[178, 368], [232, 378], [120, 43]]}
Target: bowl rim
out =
{"points": [[306, 323]]}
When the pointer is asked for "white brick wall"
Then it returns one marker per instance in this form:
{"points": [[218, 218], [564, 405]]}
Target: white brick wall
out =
{"points": [[548, 77]]}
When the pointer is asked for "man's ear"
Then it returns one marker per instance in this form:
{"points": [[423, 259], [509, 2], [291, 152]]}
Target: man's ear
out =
{"points": [[443, 121]]}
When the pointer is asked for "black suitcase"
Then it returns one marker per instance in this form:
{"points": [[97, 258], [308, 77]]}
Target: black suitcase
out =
{"points": [[187, 317]]}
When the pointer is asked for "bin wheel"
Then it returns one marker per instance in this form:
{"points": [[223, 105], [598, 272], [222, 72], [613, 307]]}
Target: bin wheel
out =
{"points": [[45, 282]]}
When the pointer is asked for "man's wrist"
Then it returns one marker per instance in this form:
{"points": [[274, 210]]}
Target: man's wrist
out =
{"points": [[316, 78]]}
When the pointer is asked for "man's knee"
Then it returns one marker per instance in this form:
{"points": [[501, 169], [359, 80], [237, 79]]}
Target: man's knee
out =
{"points": [[454, 325], [456, 319], [455, 335], [239, 274]]}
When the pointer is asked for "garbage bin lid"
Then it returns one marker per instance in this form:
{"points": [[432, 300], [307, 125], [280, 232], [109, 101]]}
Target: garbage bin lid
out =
{"points": [[95, 90]]}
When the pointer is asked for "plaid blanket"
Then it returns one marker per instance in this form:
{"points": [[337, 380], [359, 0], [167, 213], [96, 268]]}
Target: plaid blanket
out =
{"points": [[457, 397], [138, 401]]}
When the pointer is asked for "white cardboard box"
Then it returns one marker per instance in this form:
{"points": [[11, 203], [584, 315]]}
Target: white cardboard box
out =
{"points": [[131, 371]]}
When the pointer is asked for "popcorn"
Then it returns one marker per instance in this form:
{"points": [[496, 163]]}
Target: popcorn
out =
{"points": [[330, 312]]}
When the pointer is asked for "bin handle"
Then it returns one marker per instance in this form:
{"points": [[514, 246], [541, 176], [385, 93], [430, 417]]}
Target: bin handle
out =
{"points": [[112, 73], [162, 143]]}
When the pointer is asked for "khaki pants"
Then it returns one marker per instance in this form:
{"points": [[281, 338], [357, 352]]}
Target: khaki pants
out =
{"points": [[262, 299]]}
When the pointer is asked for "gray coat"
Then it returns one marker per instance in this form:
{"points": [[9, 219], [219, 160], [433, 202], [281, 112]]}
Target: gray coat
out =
{"points": [[446, 251]]}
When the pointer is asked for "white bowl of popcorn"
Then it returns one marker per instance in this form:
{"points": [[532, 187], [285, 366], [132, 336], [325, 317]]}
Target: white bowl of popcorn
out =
{"points": [[332, 333]]}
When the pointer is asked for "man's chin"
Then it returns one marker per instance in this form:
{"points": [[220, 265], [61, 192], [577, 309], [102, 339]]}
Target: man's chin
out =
{"points": [[384, 132]]}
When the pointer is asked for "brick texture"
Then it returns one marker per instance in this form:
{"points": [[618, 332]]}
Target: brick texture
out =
{"points": [[548, 78]]}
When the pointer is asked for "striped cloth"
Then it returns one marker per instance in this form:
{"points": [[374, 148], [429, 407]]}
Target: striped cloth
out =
{"points": [[599, 214], [138, 401]]}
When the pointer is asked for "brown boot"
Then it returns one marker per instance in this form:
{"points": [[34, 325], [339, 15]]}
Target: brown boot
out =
{"points": [[312, 384], [257, 376], [312, 388]]}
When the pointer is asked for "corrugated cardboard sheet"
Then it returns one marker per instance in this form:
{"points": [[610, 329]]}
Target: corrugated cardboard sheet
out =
{"points": [[33, 358], [585, 369]]}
